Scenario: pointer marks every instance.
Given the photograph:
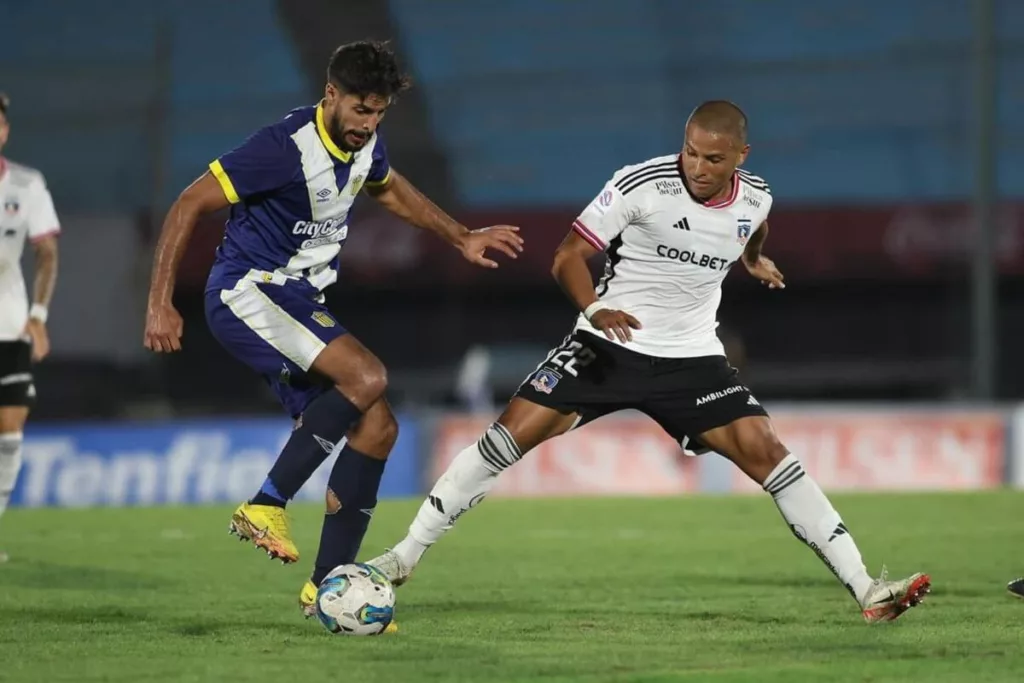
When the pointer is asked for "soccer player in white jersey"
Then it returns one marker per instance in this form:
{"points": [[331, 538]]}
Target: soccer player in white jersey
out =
{"points": [[645, 339], [27, 211]]}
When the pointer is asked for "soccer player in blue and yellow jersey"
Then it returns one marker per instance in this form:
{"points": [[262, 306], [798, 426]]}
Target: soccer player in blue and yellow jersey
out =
{"points": [[291, 187]]}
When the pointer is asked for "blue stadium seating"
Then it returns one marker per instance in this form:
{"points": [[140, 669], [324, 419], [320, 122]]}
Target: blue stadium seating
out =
{"points": [[537, 100], [83, 97], [541, 99]]}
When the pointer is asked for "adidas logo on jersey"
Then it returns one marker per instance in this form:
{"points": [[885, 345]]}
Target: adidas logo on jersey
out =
{"points": [[682, 224]]}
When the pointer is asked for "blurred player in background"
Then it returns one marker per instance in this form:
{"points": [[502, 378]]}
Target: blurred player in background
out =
{"points": [[27, 212], [291, 187], [672, 227]]}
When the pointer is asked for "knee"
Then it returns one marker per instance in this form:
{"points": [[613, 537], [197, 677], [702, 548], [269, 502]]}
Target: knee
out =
{"points": [[12, 420], [10, 462], [370, 384], [358, 374]]}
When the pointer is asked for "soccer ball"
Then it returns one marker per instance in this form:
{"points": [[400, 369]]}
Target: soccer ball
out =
{"points": [[355, 600]]}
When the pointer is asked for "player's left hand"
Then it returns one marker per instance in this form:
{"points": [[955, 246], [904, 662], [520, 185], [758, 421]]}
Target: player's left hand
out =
{"points": [[36, 331], [764, 270], [504, 238]]}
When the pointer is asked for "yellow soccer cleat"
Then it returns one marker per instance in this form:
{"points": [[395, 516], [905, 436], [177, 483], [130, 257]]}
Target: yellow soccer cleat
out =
{"points": [[307, 599], [267, 527], [307, 602]]}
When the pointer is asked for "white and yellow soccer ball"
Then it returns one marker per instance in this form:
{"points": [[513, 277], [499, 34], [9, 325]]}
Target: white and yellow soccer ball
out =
{"points": [[355, 600]]}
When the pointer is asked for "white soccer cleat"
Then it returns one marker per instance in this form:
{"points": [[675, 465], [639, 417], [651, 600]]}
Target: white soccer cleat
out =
{"points": [[391, 566], [887, 600]]}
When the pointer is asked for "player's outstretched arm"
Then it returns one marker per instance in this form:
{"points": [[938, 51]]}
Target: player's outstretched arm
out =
{"points": [[571, 272], [163, 322], [402, 199], [759, 265]]}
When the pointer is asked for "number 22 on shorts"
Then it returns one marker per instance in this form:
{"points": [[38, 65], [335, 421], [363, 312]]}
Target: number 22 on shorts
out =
{"points": [[572, 356]]}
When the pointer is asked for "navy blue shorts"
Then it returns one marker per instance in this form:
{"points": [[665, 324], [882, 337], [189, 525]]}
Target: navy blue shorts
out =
{"points": [[277, 327]]}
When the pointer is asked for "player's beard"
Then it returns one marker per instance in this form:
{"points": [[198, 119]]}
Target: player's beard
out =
{"points": [[341, 137], [362, 138]]}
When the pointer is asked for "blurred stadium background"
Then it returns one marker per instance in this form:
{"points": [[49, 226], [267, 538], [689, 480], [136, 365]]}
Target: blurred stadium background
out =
{"points": [[891, 133]]}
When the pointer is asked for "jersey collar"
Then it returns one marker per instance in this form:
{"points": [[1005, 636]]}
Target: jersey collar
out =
{"points": [[321, 129]]}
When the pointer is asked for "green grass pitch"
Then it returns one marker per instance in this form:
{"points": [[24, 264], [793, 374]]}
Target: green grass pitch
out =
{"points": [[652, 590]]}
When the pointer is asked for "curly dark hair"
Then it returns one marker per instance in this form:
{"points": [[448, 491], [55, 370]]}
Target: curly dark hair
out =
{"points": [[367, 68], [5, 102]]}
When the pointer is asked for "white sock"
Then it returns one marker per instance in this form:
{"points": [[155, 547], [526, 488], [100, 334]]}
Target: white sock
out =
{"points": [[465, 483], [10, 464], [814, 521]]}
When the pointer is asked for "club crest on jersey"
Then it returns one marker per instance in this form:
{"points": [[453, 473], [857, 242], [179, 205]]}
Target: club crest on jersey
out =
{"points": [[322, 319], [545, 380], [11, 206], [357, 183], [743, 230]]}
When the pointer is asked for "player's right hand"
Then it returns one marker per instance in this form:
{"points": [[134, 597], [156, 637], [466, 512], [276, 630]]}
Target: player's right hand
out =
{"points": [[163, 328], [503, 238], [617, 323]]}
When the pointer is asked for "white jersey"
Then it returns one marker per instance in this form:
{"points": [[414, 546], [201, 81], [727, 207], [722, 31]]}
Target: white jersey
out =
{"points": [[26, 210], [668, 253]]}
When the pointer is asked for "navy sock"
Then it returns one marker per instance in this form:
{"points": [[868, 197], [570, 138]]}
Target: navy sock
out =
{"points": [[323, 424], [269, 495], [354, 480]]}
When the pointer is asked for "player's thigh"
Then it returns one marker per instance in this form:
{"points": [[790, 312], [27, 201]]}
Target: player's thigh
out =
{"points": [[17, 386], [751, 443], [580, 380], [376, 432], [354, 369], [293, 341], [689, 397], [531, 424]]}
